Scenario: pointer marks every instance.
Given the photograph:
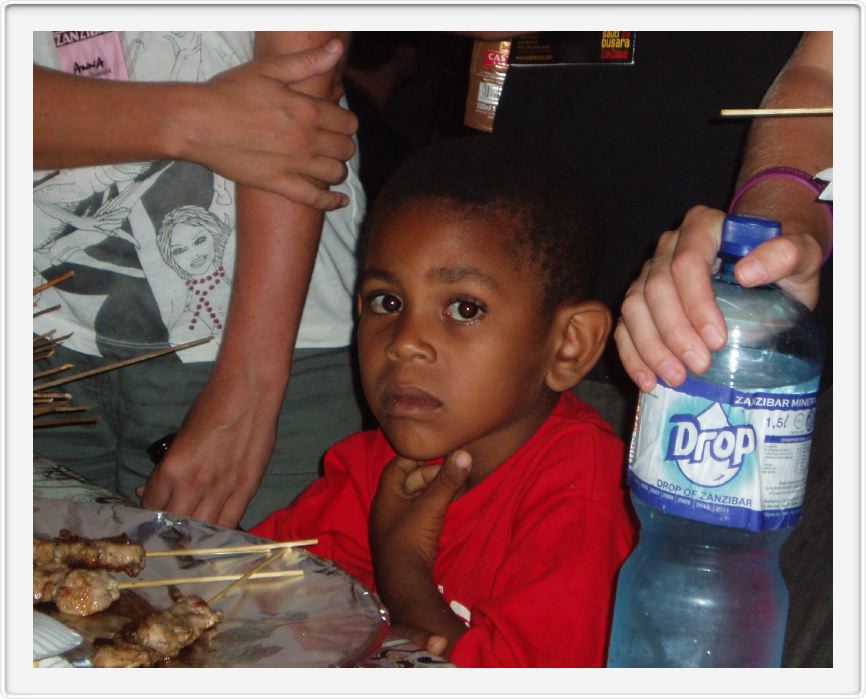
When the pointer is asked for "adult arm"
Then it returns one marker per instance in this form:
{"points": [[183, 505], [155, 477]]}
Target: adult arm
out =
{"points": [[249, 124], [670, 320], [216, 462]]}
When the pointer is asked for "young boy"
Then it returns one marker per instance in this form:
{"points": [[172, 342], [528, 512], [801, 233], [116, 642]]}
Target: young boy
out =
{"points": [[487, 510]]}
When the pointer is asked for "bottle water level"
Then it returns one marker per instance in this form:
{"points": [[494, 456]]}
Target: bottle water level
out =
{"points": [[696, 595]]}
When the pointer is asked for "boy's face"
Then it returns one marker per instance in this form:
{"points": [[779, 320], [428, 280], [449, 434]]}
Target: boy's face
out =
{"points": [[453, 343]]}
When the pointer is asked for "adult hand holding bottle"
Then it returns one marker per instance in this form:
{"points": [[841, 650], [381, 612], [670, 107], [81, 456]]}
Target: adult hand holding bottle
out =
{"points": [[670, 321]]}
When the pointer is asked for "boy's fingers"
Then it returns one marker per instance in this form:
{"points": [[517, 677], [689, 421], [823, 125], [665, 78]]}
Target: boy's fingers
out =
{"points": [[397, 472], [421, 477], [449, 480], [437, 645], [433, 644]]}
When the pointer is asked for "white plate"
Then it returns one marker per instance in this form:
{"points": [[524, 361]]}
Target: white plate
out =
{"points": [[325, 618], [50, 637]]}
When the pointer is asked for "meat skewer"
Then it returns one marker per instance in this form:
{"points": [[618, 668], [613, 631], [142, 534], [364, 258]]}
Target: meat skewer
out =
{"points": [[160, 635], [80, 591], [46, 579], [85, 592], [112, 553], [73, 573]]}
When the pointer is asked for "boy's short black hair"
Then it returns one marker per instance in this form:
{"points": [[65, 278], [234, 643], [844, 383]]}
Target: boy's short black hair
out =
{"points": [[539, 201]]}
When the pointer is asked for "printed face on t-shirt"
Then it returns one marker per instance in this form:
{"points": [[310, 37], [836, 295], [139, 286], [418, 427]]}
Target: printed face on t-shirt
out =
{"points": [[192, 248], [451, 338]]}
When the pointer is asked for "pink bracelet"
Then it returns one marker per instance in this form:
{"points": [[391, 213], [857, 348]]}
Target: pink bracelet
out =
{"points": [[795, 175]]}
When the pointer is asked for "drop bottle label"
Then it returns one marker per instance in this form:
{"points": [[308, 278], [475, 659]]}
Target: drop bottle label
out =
{"points": [[722, 455]]}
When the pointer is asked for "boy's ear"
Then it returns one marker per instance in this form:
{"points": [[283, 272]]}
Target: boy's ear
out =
{"points": [[580, 334]]}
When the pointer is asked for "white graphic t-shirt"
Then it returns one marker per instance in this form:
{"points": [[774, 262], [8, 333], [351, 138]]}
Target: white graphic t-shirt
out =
{"points": [[152, 244]]}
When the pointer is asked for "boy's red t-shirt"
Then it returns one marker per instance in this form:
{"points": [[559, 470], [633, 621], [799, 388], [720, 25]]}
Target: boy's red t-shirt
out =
{"points": [[528, 557]]}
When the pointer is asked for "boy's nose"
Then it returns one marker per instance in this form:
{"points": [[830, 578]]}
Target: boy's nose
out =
{"points": [[409, 342]]}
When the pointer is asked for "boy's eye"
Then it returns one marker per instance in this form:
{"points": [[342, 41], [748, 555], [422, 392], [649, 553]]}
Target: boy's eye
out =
{"points": [[464, 311], [385, 303]]}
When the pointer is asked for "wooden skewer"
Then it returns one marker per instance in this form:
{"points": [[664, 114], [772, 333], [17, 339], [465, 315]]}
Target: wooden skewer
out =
{"points": [[55, 407], [49, 337], [123, 363], [46, 342], [211, 578], [217, 550], [51, 396], [66, 409], [47, 177], [71, 421], [45, 310], [792, 111], [246, 576], [43, 336], [52, 282], [48, 406], [40, 410], [55, 370]]}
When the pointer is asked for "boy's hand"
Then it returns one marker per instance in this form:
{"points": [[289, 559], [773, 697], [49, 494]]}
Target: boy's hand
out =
{"points": [[432, 643], [410, 505], [419, 478], [406, 520]]}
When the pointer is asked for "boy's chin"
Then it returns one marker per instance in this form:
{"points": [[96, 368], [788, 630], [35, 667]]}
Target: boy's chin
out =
{"points": [[417, 451]]}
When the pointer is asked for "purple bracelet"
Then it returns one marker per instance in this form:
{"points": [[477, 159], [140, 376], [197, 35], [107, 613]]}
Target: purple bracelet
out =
{"points": [[795, 175]]}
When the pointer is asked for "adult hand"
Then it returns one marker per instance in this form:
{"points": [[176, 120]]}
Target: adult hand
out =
{"points": [[670, 320], [249, 125], [216, 462]]}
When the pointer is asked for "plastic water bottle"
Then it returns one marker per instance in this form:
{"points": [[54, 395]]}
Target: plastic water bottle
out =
{"points": [[717, 472]]}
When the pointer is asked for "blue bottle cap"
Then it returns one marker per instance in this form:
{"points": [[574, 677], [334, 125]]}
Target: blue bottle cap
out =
{"points": [[741, 234]]}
